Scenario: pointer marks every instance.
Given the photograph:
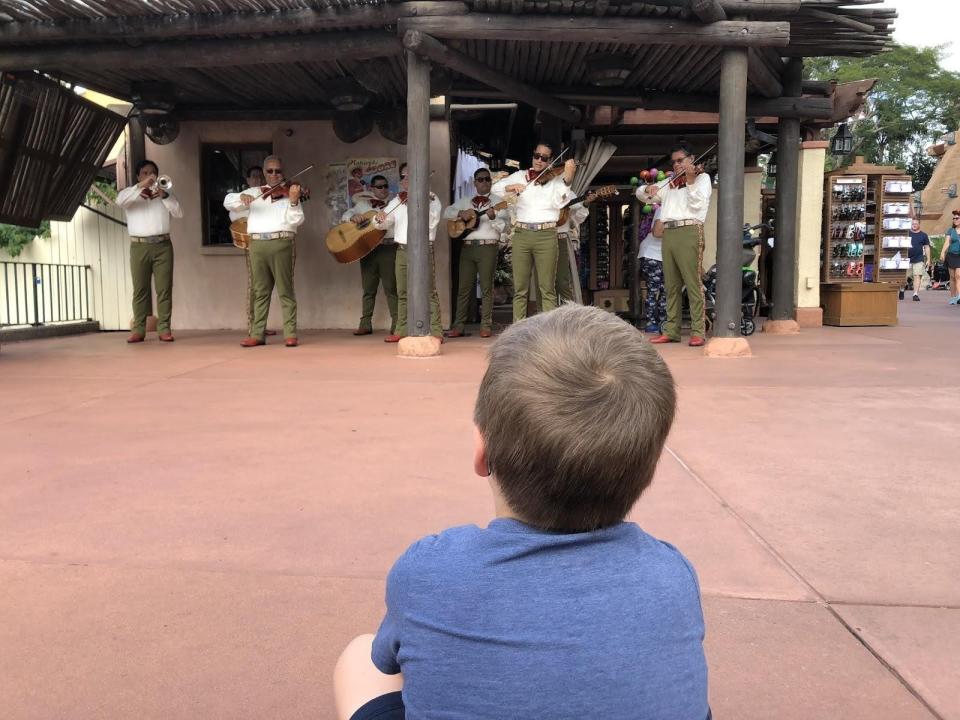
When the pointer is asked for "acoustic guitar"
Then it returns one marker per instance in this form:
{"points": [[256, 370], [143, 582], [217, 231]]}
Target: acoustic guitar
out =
{"points": [[602, 192], [350, 241], [458, 228]]}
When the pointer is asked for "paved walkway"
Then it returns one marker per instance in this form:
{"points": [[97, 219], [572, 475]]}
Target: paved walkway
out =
{"points": [[195, 530]]}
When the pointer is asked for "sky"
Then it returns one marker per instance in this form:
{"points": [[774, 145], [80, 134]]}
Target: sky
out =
{"points": [[929, 22]]}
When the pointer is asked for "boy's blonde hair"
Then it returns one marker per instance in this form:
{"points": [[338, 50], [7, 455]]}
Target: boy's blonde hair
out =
{"points": [[574, 410]]}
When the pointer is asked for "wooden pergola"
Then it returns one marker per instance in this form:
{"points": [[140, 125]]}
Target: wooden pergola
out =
{"points": [[244, 59]]}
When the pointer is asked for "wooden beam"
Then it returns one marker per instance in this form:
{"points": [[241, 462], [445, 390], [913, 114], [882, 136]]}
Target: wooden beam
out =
{"points": [[201, 53], [708, 11], [191, 112], [607, 29], [839, 19], [803, 107], [429, 47], [819, 87], [752, 8], [220, 24], [764, 79], [137, 147]]}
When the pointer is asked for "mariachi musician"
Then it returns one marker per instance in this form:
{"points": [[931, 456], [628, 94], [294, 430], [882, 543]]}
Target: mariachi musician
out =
{"points": [[275, 214], [254, 179], [380, 265], [541, 192], [478, 255], [684, 202], [394, 215], [148, 207]]}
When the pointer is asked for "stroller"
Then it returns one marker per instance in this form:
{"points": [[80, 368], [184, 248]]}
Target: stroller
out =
{"points": [[939, 276], [751, 295]]}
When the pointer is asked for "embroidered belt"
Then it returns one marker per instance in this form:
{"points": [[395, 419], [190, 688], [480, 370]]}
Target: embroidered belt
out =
{"points": [[481, 241], [282, 235], [563, 236], [536, 226], [680, 223], [150, 239]]}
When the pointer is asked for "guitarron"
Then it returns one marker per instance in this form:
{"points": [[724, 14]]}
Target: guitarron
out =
{"points": [[350, 241]]}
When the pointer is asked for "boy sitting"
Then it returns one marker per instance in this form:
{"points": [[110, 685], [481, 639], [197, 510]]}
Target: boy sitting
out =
{"points": [[558, 608]]}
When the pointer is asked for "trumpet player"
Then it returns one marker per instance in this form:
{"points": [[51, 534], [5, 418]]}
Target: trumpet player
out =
{"points": [[148, 206]]}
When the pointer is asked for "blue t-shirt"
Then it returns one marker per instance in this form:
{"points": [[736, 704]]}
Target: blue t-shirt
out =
{"points": [[515, 622], [917, 242]]}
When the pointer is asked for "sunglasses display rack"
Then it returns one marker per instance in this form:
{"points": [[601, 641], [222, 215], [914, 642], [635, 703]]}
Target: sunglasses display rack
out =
{"points": [[895, 214], [847, 234]]}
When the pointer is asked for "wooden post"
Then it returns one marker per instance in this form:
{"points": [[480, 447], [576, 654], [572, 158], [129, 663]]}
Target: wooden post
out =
{"points": [[418, 201], [733, 106], [137, 146], [788, 179]]}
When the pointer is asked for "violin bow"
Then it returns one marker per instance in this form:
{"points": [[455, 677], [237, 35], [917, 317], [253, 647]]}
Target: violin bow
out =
{"points": [[271, 188], [664, 183]]}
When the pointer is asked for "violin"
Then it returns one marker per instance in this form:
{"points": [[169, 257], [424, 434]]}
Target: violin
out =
{"points": [[278, 192], [550, 174], [680, 181]]}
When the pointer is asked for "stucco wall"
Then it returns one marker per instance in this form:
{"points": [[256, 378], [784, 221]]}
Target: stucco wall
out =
{"points": [[752, 178], [209, 289], [810, 223]]}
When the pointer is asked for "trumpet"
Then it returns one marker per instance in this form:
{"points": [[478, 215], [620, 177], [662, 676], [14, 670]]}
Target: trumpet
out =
{"points": [[163, 183]]}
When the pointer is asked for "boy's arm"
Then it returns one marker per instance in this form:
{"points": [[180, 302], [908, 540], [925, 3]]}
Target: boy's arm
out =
{"points": [[386, 643]]}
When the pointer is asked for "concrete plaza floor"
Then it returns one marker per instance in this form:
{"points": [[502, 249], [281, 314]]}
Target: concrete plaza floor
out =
{"points": [[195, 530]]}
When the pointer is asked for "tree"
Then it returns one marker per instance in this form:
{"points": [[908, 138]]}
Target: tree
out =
{"points": [[14, 238], [914, 101]]}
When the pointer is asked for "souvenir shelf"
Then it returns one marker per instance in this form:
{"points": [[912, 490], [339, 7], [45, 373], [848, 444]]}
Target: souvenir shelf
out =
{"points": [[866, 221], [894, 215], [846, 245]]}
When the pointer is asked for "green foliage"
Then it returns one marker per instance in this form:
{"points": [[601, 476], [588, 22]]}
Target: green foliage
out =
{"points": [[14, 238], [914, 101], [107, 188]]}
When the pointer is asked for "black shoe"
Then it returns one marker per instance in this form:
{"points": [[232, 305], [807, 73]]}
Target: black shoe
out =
{"points": [[916, 298], [900, 294]]}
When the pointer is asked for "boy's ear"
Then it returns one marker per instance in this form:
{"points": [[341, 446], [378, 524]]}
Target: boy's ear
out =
{"points": [[480, 466]]}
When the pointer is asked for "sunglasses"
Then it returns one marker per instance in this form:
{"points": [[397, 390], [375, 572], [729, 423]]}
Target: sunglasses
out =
{"points": [[379, 187], [544, 158], [274, 172], [484, 179]]}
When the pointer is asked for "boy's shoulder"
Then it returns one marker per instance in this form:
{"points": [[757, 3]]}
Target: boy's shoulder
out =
{"points": [[466, 545]]}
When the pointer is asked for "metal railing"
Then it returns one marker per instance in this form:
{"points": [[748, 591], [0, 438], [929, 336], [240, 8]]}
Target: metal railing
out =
{"points": [[43, 293]]}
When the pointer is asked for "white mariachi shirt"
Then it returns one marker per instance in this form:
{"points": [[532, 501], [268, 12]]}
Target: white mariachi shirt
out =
{"points": [[487, 229], [147, 218], [578, 213], [364, 204], [537, 203], [233, 200], [396, 211], [269, 216], [687, 203]]}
